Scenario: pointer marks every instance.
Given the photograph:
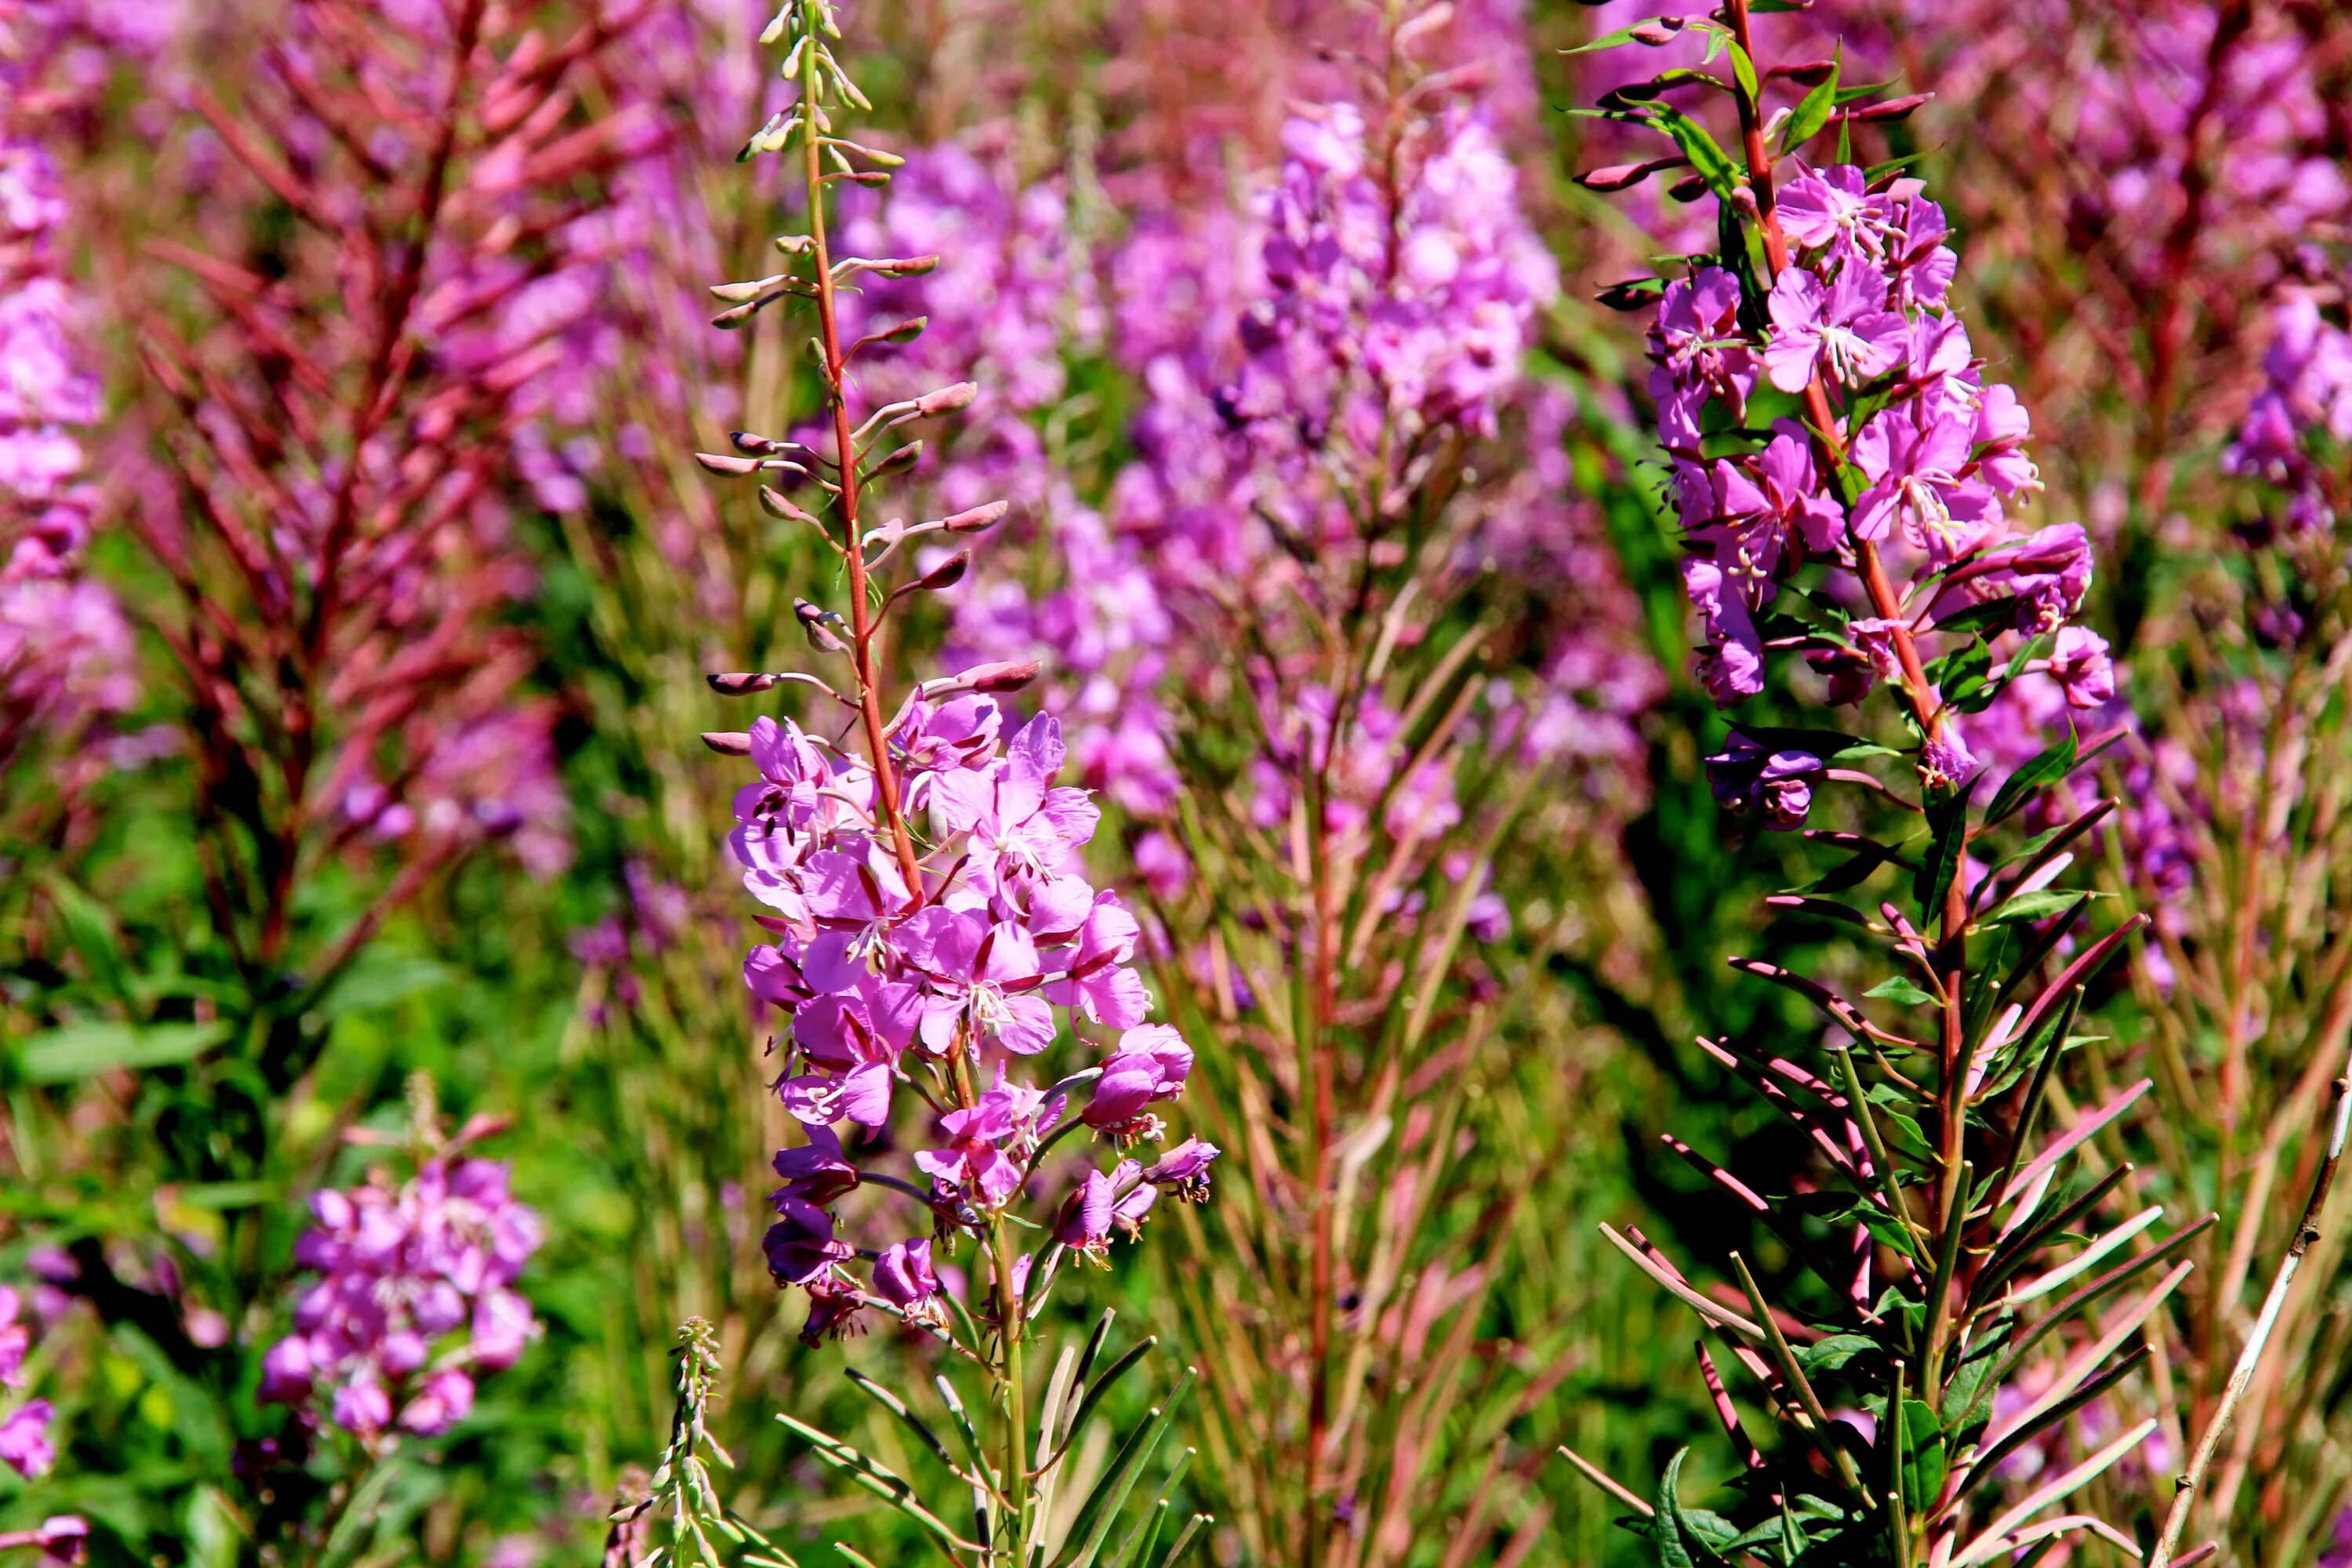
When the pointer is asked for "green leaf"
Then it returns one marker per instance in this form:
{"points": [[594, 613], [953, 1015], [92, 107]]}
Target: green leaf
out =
{"points": [[883, 1482], [1744, 71], [1852, 873], [1962, 671], [1812, 110], [1861, 91], [1925, 1458], [1985, 616], [1900, 990], [1832, 1351], [83, 1050], [2040, 904], [1101, 1508], [897, 1406], [2037, 771], [90, 929], [1684, 1542], [378, 978], [1613, 40], [1947, 841], [1713, 164]]}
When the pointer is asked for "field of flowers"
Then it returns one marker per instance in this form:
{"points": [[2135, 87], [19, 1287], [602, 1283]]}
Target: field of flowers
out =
{"points": [[1365, 784]]}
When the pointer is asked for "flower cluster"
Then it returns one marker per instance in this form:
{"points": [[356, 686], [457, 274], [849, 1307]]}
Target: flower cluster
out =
{"points": [[1401, 280], [24, 1445], [2304, 411], [407, 1270], [1857, 337], [66, 652], [891, 981]]}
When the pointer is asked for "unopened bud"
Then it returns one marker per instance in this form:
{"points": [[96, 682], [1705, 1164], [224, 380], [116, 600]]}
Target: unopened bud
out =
{"points": [[814, 621], [1810, 73], [977, 519], [1657, 34], [1005, 675], [903, 266], [898, 463], [720, 463], [1623, 176], [739, 683], [752, 445], [946, 575], [727, 743], [742, 294], [775, 504], [1687, 189], [947, 399], [1893, 109]]}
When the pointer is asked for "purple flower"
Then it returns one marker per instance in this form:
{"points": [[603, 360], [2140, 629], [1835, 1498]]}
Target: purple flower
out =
{"points": [[817, 1172], [1100, 983], [980, 980], [1085, 1224], [2079, 663], [1820, 210], [1916, 478], [1185, 1169], [801, 1245], [903, 1276], [447, 1398], [401, 1269], [1150, 1066], [1774, 786], [1945, 762], [24, 1445], [1845, 326], [1730, 665]]}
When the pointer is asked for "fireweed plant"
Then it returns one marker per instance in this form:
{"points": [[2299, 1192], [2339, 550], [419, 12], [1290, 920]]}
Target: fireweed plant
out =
{"points": [[1842, 467], [334, 346], [1398, 679], [934, 932], [2246, 990]]}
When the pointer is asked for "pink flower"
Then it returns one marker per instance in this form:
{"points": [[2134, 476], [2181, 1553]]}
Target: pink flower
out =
{"points": [[24, 1445]]}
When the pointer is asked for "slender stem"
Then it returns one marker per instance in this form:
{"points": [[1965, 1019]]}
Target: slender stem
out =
{"points": [[845, 446], [1016, 1403], [2208, 1442]]}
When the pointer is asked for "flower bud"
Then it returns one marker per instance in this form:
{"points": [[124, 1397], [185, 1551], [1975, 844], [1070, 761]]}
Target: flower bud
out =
{"points": [[977, 519], [729, 742], [730, 467], [946, 575], [740, 684], [947, 399]]}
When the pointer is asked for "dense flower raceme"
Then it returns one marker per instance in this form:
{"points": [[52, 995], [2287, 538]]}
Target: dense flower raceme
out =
{"points": [[971, 972], [66, 651], [408, 1271], [2299, 426], [1012, 298], [1330, 353], [1935, 455]]}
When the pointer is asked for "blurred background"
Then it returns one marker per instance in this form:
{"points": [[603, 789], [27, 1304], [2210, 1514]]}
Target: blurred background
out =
{"points": [[361, 585]]}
